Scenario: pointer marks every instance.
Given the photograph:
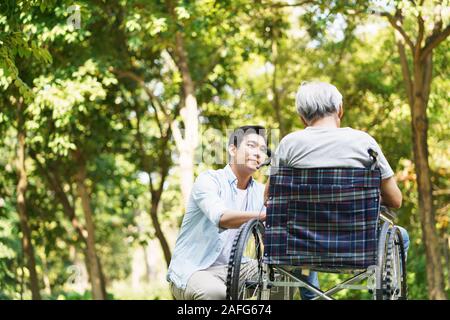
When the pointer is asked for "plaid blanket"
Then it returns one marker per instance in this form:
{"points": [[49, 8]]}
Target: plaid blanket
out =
{"points": [[323, 218]]}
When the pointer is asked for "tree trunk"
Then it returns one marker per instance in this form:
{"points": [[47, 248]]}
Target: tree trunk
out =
{"points": [[27, 245], [419, 122], [155, 194], [156, 197], [187, 142], [189, 113], [22, 276], [98, 292], [276, 94], [45, 277], [446, 247], [55, 184], [147, 277], [186, 173]]}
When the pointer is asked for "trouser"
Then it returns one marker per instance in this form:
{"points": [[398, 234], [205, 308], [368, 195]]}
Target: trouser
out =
{"points": [[210, 283]]}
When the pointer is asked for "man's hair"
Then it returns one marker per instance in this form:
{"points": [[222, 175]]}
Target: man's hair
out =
{"points": [[315, 100], [238, 134]]}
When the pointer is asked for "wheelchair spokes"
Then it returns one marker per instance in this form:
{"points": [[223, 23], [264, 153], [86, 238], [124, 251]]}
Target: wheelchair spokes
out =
{"points": [[245, 265], [395, 268]]}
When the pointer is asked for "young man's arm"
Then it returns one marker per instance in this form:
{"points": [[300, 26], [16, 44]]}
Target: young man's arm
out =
{"points": [[205, 193], [234, 219], [391, 195]]}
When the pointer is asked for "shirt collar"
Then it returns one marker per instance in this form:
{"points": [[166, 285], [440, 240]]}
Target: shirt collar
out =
{"points": [[232, 179]]}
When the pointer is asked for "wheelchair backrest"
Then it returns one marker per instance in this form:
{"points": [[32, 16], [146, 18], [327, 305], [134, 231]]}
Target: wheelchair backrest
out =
{"points": [[323, 218]]}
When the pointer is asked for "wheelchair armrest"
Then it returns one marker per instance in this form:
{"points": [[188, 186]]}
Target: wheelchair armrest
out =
{"points": [[388, 213]]}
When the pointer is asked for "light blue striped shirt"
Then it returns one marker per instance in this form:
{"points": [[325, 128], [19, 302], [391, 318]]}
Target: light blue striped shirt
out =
{"points": [[198, 244]]}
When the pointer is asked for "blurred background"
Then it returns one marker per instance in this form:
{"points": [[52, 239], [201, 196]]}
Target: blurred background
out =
{"points": [[110, 109]]}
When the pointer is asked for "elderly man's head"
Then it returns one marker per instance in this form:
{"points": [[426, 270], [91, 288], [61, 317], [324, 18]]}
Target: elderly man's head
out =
{"points": [[317, 100]]}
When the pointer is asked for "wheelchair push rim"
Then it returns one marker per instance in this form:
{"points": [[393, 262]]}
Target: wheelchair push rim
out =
{"points": [[244, 273]]}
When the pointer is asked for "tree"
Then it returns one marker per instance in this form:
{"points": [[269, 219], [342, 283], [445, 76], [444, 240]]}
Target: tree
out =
{"points": [[16, 46], [427, 20], [21, 201], [417, 76], [97, 120]]}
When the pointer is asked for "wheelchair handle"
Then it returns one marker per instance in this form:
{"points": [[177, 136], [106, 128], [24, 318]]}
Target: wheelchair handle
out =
{"points": [[388, 213]]}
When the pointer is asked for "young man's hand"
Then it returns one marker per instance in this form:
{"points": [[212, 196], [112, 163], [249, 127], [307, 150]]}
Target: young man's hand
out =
{"points": [[234, 219], [262, 216]]}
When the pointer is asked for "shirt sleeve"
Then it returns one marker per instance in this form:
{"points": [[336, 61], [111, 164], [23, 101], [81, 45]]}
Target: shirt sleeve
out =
{"points": [[205, 193], [383, 164]]}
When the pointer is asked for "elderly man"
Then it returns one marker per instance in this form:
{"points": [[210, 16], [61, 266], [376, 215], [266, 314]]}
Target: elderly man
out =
{"points": [[323, 143], [221, 201]]}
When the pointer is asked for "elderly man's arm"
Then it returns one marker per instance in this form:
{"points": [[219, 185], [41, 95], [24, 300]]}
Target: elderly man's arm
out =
{"points": [[391, 195]]}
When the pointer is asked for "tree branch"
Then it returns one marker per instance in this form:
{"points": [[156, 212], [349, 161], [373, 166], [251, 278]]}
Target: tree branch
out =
{"points": [[56, 186], [420, 35], [427, 77], [406, 72], [395, 23], [208, 69], [157, 117], [284, 5], [144, 158], [434, 40], [133, 76], [164, 162], [179, 141]]}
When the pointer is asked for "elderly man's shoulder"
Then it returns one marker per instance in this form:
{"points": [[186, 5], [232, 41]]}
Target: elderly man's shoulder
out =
{"points": [[299, 134], [360, 133]]}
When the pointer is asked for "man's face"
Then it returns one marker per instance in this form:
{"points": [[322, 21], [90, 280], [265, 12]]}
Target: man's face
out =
{"points": [[251, 152]]}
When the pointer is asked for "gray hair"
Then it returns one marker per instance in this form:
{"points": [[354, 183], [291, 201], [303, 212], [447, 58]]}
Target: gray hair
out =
{"points": [[315, 100]]}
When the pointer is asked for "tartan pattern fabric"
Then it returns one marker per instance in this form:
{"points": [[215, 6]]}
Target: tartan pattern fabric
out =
{"points": [[324, 218]]}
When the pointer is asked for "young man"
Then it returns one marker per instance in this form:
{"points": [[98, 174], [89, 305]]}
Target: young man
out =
{"points": [[220, 202]]}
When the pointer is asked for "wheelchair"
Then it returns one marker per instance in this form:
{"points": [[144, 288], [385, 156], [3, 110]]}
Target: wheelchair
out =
{"points": [[325, 220]]}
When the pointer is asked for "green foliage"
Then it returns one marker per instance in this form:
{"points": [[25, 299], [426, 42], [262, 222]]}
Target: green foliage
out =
{"points": [[85, 90]]}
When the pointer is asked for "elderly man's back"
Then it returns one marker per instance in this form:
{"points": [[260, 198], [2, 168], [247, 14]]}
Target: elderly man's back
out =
{"points": [[324, 144], [327, 147]]}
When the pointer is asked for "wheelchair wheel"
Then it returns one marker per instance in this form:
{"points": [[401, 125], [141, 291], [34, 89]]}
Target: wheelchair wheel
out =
{"points": [[396, 286], [391, 278], [244, 276]]}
